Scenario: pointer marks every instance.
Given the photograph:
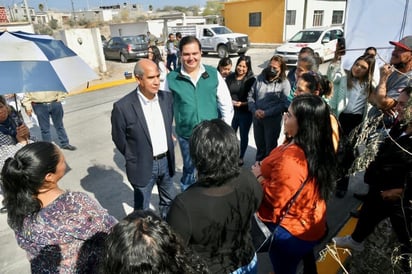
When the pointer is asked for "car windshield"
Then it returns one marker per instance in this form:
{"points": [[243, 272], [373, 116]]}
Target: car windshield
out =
{"points": [[306, 36], [221, 30], [139, 39]]}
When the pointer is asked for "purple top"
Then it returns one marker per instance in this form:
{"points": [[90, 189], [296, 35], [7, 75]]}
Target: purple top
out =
{"points": [[67, 236]]}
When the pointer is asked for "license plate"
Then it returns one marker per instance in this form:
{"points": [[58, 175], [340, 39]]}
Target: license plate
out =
{"points": [[244, 45]]}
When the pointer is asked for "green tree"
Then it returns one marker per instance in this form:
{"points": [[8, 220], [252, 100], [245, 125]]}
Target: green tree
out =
{"points": [[150, 8], [213, 8], [41, 7], [53, 24]]}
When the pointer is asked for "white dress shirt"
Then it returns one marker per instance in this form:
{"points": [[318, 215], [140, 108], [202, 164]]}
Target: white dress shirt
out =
{"points": [[155, 123]]}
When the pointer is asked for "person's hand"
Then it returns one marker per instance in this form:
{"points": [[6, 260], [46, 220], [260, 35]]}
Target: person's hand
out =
{"points": [[23, 133], [388, 107], [392, 194], [390, 112], [386, 70], [260, 114], [29, 112], [236, 103], [256, 169]]}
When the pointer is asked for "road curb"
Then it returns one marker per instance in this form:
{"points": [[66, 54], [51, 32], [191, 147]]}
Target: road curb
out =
{"points": [[103, 86]]}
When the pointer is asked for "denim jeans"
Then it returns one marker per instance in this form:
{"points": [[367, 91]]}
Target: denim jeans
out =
{"points": [[243, 121], [250, 268], [188, 177], [171, 60], [160, 177], [55, 110], [287, 251]]}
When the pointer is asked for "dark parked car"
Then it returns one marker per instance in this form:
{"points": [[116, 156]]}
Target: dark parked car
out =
{"points": [[126, 48]]}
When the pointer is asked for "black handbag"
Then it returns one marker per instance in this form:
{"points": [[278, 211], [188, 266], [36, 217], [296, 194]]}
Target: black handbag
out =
{"points": [[262, 237]]}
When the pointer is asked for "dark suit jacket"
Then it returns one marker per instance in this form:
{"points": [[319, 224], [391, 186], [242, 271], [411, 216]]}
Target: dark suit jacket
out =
{"points": [[131, 136]]}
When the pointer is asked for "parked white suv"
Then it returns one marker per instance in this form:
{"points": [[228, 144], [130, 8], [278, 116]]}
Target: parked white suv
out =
{"points": [[321, 40]]}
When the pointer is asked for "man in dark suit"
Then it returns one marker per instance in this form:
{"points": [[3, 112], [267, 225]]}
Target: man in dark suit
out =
{"points": [[142, 132]]}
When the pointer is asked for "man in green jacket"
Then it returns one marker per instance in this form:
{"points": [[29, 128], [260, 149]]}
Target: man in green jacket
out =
{"points": [[199, 93]]}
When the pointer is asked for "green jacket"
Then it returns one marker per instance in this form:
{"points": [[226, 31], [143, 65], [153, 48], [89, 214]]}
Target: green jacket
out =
{"points": [[193, 104]]}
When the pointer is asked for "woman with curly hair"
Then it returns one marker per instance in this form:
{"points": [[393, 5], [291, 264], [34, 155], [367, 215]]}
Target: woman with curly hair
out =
{"points": [[213, 216], [144, 243]]}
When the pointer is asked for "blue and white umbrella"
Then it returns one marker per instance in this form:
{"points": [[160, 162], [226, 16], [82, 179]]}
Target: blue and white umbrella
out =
{"points": [[30, 63]]}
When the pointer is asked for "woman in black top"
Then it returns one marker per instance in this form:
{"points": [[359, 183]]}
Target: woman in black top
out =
{"points": [[239, 84], [213, 216]]}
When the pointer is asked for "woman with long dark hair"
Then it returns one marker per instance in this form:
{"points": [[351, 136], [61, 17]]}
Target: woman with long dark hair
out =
{"points": [[239, 84], [61, 231], [153, 53], [350, 104], [302, 167]]}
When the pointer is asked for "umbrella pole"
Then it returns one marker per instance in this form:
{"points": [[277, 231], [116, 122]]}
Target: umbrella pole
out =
{"points": [[18, 111], [15, 100]]}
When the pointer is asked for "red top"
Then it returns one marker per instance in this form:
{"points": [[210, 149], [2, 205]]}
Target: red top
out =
{"points": [[284, 171]]}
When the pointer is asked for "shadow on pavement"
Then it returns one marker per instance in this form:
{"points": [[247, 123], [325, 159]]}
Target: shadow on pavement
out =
{"points": [[113, 197], [119, 160]]}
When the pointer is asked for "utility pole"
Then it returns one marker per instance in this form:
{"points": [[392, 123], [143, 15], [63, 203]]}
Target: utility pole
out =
{"points": [[74, 13], [305, 11]]}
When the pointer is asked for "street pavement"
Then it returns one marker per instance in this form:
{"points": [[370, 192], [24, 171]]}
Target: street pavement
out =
{"points": [[97, 168]]}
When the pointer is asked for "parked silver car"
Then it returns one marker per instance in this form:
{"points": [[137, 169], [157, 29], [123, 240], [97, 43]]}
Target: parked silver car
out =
{"points": [[126, 48]]}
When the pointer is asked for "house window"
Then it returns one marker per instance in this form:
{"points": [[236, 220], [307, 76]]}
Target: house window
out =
{"points": [[317, 18], [337, 17], [255, 19], [291, 17]]}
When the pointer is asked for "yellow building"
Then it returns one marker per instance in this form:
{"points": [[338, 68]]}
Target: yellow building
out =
{"points": [[262, 20]]}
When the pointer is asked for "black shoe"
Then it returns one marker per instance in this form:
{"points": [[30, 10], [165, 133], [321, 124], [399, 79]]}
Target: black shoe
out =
{"points": [[68, 147], [3, 210], [340, 193], [241, 163], [355, 213], [360, 197]]}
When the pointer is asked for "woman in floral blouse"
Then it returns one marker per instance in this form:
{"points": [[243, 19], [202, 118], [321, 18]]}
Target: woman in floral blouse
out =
{"points": [[61, 231]]}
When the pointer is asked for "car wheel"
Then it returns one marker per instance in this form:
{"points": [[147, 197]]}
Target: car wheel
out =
{"points": [[123, 58], [222, 51]]}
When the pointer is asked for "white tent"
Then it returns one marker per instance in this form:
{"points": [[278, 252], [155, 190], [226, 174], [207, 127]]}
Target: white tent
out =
{"points": [[375, 23]]}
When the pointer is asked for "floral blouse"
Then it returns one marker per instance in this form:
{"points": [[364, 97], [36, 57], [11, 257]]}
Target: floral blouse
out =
{"points": [[66, 236]]}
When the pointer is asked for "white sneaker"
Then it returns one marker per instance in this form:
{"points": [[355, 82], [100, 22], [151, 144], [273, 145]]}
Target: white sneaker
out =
{"points": [[348, 242]]}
